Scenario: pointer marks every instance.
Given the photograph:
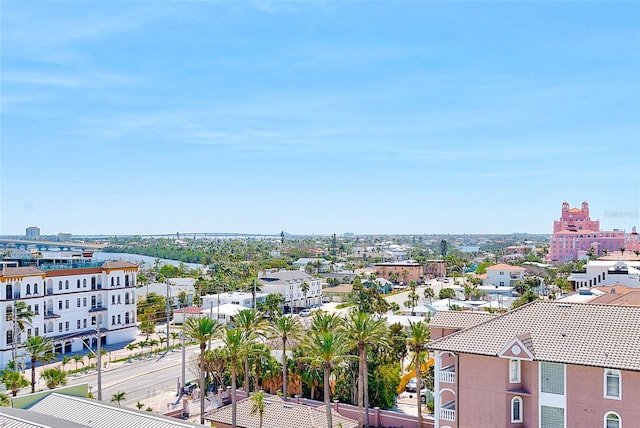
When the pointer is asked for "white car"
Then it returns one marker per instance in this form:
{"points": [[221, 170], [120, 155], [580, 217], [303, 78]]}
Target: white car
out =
{"points": [[305, 313]]}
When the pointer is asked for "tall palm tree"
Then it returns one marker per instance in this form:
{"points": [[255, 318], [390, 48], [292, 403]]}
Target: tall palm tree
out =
{"points": [[253, 324], [258, 405], [429, 293], [131, 347], [324, 322], [54, 377], [285, 328], [20, 318], [418, 338], [326, 350], [235, 340], [38, 348], [201, 330], [304, 287], [364, 331], [175, 336]]}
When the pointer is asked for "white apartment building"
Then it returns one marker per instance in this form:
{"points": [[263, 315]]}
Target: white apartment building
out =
{"points": [[599, 273], [503, 275], [68, 304], [288, 283]]}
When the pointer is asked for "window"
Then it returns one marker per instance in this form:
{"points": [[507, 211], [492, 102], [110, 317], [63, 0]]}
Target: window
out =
{"points": [[9, 337], [119, 320], [501, 273], [113, 300], [60, 327], [78, 324], [66, 284], [78, 284], [612, 384], [551, 417], [59, 285], [66, 304], [516, 409], [66, 326], [84, 323], [59, 304], [37, 331], [78, 302], [36, 311], [28, 332], [612, 420], [28, 289], [35, 288], [113, 319], [514, 371], [552, 378], [84, 302], [119, 299]]}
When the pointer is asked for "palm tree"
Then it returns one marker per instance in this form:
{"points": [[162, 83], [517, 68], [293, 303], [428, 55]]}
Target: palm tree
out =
{"points": [[304, 287], [253, 324], [326, 350], [175, 336], [364, 331], [429, 293], [285, 328], [324, 322], [258, 405], [201, 330], [65, 361], [152, 343], [14, 381], [418, 338], [38, 348], [21, 317], [131, 347], [54, 377], [235, 340], [139, 405], [78, 359], [162, 340], [118, 397]]}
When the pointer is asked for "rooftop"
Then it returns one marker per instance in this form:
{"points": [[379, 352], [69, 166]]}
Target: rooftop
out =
{"points": [[572, 333]]}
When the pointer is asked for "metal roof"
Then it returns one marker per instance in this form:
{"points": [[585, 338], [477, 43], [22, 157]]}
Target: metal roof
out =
{"points": [[97, 414], [20, 418]]}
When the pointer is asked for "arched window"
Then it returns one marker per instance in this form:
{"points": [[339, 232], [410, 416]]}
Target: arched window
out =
{"points": [[516, 409], [35, 288], [112, 281], [28, 289], [9, 291], [78, 283], [612, 420], [84, 283], [66, 284], [118, 280]]}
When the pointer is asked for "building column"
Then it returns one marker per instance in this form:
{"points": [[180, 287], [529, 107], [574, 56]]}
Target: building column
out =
{"points": [[437, 397]]}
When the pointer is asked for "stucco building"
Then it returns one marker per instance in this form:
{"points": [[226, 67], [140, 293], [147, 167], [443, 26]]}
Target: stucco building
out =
{"points": [[68, 304], [546, 364], [575, 236], [402, 271], [288, 283]]}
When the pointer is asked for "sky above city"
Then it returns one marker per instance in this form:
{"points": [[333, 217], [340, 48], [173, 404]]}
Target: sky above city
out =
{"points": [[403, 117]]}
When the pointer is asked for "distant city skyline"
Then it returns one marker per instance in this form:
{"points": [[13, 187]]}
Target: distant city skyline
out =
{"points": [[317, 117]]}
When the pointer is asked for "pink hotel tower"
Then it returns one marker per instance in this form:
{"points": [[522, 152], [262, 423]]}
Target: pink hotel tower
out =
{"points": [[575, 234]]}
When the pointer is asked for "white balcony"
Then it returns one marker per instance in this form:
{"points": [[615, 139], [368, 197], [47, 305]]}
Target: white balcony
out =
{"points": [[448, 415], [448, 375]]}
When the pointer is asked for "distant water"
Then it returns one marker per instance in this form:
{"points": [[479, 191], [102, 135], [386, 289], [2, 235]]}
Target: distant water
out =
{"points": [[136, 258], [469, 248]]}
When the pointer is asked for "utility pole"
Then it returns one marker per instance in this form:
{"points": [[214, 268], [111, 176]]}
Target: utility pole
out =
{"points": [[99, 359], [168, 313], [184, 378], [211, 316]]}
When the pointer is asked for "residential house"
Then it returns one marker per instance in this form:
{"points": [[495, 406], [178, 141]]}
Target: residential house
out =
{"points": [[546, 364], [502, 275], [607, 272], [401, 271], [288, 283]]}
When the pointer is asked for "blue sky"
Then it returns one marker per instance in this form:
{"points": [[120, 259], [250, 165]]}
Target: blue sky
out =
{"points": [[317, 117]]}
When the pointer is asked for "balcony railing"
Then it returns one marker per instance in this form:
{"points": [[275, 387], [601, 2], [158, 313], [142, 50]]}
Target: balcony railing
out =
{"points": [[448, 375], [448, 413]]}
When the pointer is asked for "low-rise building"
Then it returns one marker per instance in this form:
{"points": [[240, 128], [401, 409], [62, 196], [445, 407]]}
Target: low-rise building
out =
{"points": [[289, 284], [607, 272], [545, 364], [504, 275], [401, 271], [68, 304]]}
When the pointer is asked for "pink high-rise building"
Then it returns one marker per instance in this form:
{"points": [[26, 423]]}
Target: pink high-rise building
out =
{"points": [[575, 236]]}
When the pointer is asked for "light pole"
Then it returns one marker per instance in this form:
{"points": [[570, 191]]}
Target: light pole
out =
{"points": [[99, 359]]}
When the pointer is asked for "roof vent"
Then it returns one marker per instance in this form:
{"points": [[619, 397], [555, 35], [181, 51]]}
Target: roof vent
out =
{"points": [[287, 406]]}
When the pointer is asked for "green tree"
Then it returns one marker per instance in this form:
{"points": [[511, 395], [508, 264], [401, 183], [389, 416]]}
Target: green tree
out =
{"points": [[258, 405], [418, 339], [429, 294], [139, 405], [131, 347], [118, 397], [398, 343], [254, 325], [20, 317], [54, 377], [78, 359], [5, 400], [528, 297], [412, 297], [14, 381], [285, 328], [443, 248], [65, 361], [235, 341], [363, 332], [39, 349], [273, 304], [326, 350], [304, 287], [447, 293], [201, 330]]}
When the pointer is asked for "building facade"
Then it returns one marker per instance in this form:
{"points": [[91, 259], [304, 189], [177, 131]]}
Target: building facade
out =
{"points": [[32, 232], [576, 236], [288, 283], [545, 364], [504, 275], [68, 305], [599, 273], [401, 271]]}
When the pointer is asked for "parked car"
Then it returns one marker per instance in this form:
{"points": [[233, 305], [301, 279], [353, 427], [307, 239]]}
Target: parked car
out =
{"points": [[305, 313], [412, 385]]}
